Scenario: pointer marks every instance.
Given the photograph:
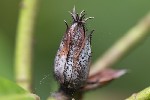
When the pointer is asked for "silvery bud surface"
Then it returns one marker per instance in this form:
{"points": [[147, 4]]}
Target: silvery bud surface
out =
{"points": [[72, 61]]}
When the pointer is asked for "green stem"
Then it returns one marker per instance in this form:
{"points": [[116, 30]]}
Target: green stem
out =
{"points": [[123, 46], [143, 95], [23, 53]]}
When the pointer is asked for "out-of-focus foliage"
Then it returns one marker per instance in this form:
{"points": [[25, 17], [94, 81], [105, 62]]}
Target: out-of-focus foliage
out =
{"points": [[113, 18], [11, 91], [7, 87]]}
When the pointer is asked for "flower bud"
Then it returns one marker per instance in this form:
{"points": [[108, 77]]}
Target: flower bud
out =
{"points": [[72, 61]]}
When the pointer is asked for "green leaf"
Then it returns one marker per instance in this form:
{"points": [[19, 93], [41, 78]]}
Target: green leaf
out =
{"points": [[19, 97], [11, 91]]}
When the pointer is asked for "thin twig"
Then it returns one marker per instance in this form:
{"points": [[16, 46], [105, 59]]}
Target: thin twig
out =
{"points": [[23, 53], [122, 46]]}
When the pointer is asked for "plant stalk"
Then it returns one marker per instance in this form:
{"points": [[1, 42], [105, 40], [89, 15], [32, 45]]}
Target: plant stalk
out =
{"points": [[24, 41], [142, 95], [122, 46]]}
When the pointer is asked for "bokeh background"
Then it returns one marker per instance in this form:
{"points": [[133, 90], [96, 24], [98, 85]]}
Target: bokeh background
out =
{"points": [[113, 18]]}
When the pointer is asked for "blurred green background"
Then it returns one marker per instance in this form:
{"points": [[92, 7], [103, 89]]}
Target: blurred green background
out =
{"points": [[113, 18]]}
